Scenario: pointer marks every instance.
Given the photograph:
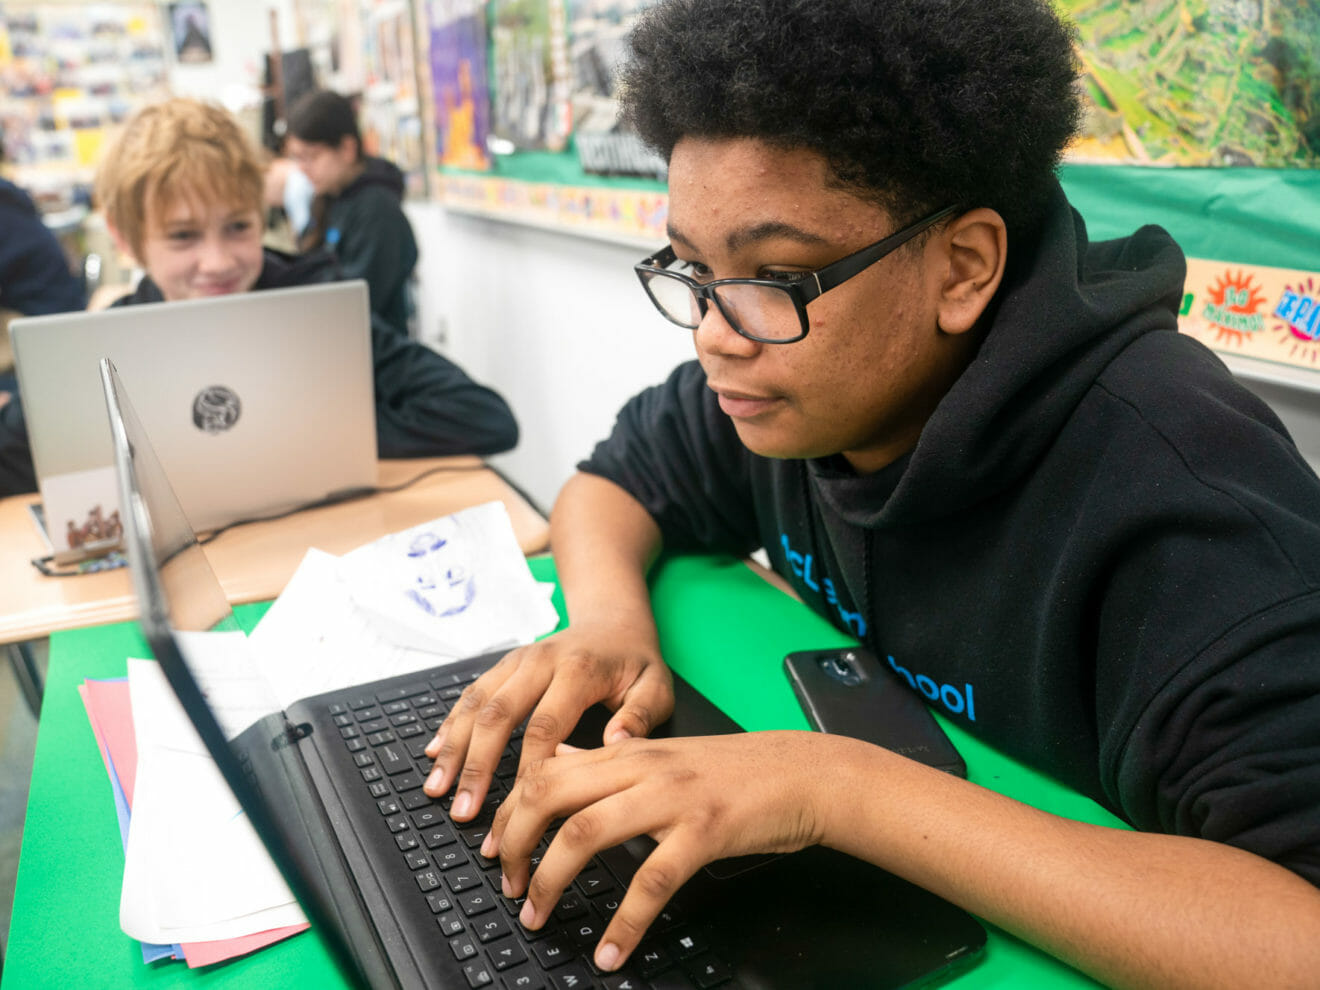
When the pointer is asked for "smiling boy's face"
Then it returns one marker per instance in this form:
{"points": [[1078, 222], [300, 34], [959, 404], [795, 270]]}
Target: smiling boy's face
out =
{"points": [[193, 249]]}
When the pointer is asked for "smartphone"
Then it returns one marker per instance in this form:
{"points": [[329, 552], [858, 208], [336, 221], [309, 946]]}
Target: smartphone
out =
{"points": [[847, 691]]}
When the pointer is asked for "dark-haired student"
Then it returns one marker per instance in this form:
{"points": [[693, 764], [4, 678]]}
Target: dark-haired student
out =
{"points": [[35, 280], [356, 211], [182, 193], [1010, 473]]}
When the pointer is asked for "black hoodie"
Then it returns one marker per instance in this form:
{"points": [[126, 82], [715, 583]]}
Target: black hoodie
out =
{"points": [[34, 274], [1102, 555], [364, 225]]}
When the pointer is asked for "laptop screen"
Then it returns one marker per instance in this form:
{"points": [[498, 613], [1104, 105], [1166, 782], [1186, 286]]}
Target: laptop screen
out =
{"points": [[184, 613]]}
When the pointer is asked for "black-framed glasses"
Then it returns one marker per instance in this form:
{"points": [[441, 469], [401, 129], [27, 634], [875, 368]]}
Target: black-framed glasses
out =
{"points": [[770, 311]]}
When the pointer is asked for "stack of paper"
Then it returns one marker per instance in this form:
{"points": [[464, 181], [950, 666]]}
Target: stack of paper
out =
{"points": [[198, 884]]}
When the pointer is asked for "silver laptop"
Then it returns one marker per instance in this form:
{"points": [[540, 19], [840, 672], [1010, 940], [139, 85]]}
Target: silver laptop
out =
{"points": [[257, 403]]}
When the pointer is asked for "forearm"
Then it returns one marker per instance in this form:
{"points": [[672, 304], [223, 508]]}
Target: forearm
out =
{"points": [[604, 542], [1132, 909]]}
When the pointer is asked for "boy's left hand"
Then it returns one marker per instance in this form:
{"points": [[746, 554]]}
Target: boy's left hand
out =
{"points": [[701, 799]]}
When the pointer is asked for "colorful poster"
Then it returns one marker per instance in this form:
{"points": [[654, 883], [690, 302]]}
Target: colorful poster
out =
{"points": [[1271, 314], [459, 89], [67, 73], [1199, 82], [530, 77], [598, 32]]}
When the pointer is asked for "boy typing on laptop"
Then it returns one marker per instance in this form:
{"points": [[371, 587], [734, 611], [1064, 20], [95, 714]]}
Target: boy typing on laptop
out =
{"points": [[182, 192], [974, 440]]}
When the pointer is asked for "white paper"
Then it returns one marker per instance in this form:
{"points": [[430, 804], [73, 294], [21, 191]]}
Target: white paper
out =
{"points": [[194, 867], [457, 586], [314, 639]]}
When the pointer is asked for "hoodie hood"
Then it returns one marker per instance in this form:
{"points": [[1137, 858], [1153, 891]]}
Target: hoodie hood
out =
{"points": [[376, 172], [1058, 321]]}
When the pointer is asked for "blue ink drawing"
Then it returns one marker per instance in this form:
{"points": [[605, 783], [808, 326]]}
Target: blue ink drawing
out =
{"points": [[441, 583]]}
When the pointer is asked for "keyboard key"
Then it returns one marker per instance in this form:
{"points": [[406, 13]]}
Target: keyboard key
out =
{"points": [[450, 923], [506, 955], [439, 836], [377, 738], [525, 979], [595, 882], [474, 902], [439, 902], [622, 981], [427, 880], [416, 859], [491, 927], [409, 731], [409, 781], [367, 715], [552, 951], [651, 959], [449, 859], [685, 943], [478, 974], [463, 947], [388, 806], [406, 841], [397, 823], [708, 971], [574, 976], [417, 799], [379, 789], [460, 880]]}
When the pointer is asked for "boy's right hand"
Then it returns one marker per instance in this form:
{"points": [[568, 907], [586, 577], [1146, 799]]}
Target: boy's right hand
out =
{"points": [[553, 681]]}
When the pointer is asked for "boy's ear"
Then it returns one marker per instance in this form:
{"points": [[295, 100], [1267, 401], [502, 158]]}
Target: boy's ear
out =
{"points": [[121, 242], [976, 244]]}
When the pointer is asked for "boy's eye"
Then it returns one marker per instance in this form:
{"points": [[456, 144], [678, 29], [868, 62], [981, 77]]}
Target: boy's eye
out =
{"points": [[239, 226], [780, 276], [695, 270], [182, 236]]}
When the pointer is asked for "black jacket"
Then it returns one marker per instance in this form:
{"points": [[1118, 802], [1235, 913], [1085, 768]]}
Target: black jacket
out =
{"points": [[34, 273], [366, 229], [425, 404], [1102, 555]]}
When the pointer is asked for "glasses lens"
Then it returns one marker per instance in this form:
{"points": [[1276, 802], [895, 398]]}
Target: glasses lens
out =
{"points": [[674, 299], [763, 311]]}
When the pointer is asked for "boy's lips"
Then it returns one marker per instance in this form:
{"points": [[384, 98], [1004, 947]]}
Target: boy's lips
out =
{"points": [[743, 405]]}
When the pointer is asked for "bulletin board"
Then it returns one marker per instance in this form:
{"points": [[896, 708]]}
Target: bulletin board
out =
{"points": [[1202, 116], [68, 72]]}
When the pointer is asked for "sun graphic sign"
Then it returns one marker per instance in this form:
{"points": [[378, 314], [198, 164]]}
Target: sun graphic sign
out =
{"points": [[1272, 314]]}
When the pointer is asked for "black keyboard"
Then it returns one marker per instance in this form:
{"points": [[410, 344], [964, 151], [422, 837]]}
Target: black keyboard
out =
{"points": [[385, 734]]}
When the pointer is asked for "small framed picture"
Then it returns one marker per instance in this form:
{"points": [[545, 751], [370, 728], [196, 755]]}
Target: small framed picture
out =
{"points": [[190, 25]]}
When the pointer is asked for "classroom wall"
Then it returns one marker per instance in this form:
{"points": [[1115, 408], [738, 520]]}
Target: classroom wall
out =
{"points": [[240, 37], [557, 323]]}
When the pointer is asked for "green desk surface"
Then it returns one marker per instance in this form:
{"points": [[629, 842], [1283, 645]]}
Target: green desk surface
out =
{"points": [[723, 627]]}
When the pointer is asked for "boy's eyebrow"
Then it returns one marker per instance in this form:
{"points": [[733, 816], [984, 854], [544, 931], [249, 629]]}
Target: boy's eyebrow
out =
{"points": [[744, 236]]}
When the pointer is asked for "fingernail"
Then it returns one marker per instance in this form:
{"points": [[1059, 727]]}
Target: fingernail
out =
{"points": [[505, 886], [433, 780], [488, 848], [461, 804], [527, 916], [607, 956], [618, 735]]}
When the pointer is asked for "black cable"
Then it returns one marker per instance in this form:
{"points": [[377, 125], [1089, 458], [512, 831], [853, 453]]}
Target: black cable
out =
{"points": [[116, 558]]}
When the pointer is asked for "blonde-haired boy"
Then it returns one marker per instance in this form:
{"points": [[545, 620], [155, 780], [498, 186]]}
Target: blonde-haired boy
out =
{"points": [[182, 191]]}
